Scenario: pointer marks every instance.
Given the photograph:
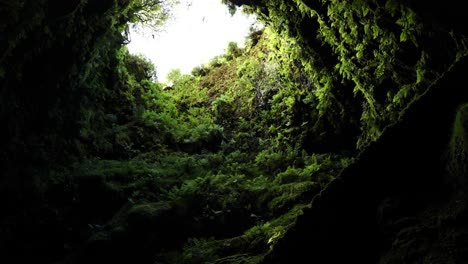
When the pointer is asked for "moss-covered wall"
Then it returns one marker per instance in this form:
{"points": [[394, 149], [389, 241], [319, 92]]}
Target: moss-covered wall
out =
{"points": [[385, 207], [383, 52]]}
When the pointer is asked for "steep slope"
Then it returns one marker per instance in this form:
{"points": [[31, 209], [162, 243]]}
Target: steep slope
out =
{"points": [[396, 203]]}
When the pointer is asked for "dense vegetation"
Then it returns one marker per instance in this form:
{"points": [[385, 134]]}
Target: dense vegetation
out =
{"points": [[103, 163]]}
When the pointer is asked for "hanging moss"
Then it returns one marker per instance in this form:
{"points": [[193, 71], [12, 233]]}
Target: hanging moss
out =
{"points": [[458, 147], [383, 51]]}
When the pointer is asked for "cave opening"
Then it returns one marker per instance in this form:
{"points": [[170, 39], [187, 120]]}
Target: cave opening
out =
{"points": [[193, 33], [330, 124]]}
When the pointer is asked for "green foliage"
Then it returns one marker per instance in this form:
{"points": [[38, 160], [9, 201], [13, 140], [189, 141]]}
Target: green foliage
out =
{"points": [[140, 67], [253, 244], [200, 251], [380, 50], [236, 149], [270, 161], [270, 232], [458, 147], [151, 14], [232, 51], [191, 146]]}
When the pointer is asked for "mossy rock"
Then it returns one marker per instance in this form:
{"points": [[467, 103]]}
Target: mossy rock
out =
{"points": [[143, 216], [458, 150], [292, 194]]}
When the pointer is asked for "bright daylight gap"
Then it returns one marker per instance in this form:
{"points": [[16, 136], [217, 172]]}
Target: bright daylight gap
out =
{"points": [[199, 30]]}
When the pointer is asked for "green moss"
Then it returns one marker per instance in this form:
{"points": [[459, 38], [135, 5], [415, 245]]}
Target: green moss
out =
{"points": [[200, 251], [250, 247], [269, 233], [291, 194], [458, 146], [149, 209]]}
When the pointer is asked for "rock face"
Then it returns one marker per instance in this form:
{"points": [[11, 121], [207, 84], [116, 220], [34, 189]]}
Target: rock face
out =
{"points": [[394, 204]]}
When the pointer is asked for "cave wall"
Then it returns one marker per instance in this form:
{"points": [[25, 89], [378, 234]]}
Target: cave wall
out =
{"points": [[393, 181]]}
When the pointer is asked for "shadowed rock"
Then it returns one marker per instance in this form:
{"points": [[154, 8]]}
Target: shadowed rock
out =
{"points": [[392, 181]]}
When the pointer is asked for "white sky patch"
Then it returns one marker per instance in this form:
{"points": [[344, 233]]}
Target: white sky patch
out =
{"points": [[200, 30]]}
